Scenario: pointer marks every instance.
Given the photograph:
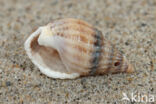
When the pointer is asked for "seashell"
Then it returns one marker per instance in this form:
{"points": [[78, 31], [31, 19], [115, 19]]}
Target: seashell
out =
{"points": [[70, 48]]}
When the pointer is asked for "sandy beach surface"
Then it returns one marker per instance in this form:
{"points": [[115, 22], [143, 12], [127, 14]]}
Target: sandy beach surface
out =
{"points": [[130, 24]]}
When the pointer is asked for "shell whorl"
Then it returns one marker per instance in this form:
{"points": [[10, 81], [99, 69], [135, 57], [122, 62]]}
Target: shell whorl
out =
{"points": [[97, 51], [78, 48]]}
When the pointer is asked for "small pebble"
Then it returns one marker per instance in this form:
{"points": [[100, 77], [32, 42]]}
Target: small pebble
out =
{"points": [[126, 43], [8, 83], [143, 24], [0, 70]]}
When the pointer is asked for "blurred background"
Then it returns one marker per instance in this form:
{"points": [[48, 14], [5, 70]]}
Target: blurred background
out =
{"points": [[130, 24]]}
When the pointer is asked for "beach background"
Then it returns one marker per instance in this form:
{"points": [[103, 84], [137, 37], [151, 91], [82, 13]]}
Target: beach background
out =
{"points": [[130, 24]]}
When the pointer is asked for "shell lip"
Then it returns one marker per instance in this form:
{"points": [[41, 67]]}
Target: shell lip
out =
{"points": [[28, 42]]}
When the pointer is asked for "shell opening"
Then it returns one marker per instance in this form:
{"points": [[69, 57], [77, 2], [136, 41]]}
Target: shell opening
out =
{"points": [[46, 59]]}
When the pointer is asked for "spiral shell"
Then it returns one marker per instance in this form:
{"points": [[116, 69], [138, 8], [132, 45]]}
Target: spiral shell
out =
{"points": [[70, 48]]}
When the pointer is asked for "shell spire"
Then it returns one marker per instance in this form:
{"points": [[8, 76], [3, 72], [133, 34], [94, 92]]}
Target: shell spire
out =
{"points": [[70, 48]]}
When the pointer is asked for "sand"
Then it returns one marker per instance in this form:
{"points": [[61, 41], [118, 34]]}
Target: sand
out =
{"points": [[130, 24]]}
